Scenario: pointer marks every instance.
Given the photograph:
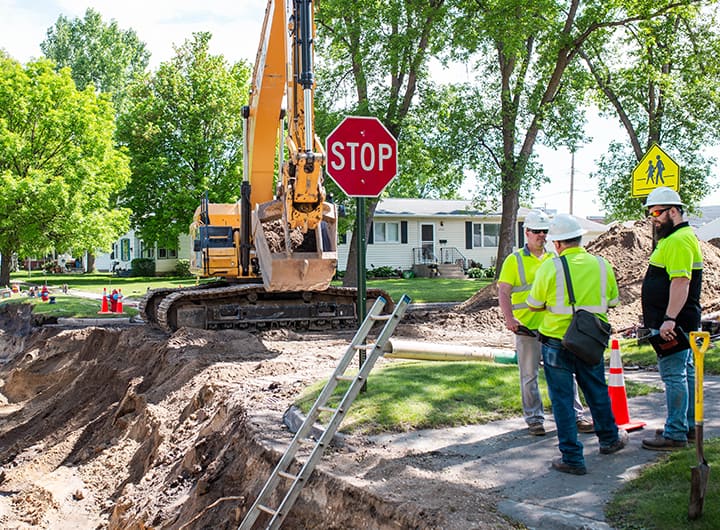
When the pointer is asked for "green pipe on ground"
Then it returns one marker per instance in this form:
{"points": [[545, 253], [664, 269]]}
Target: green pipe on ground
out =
{"points": [[433, 351]]}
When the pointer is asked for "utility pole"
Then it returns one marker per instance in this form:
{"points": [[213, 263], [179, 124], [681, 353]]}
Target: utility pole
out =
{"points": [[572, 178]]}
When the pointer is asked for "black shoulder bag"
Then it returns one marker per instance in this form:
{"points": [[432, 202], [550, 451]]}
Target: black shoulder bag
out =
{"points": [[587, 336]]}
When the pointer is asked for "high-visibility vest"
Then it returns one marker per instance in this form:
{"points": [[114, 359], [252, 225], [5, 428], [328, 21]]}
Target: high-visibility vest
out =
{"points": [[519, 270], [593, 282]]}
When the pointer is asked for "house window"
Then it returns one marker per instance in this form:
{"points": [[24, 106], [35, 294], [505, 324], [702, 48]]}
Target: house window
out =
{"points": [[167, 253], [386, 232], [486, 235], [125, 249]]}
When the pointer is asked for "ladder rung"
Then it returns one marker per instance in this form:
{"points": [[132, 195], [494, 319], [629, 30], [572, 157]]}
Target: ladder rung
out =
{"points": [[286, 475], [328, 409], [265, 509], [364, 346], [381, 317], [345, 377]]}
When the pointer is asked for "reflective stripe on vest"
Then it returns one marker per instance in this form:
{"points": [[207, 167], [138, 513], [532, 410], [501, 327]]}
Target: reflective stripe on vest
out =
{"points": [[560, 308], [524, 285]]}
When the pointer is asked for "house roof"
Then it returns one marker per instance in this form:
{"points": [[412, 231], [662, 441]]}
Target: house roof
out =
{"points": [[428, 208], [708, 215], [457, 208]]}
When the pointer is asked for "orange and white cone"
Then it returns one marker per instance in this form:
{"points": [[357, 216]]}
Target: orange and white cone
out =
{"points": [[616, 389], [104, 310], [118, 306]]}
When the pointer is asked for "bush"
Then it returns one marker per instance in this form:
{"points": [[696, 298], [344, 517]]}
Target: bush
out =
{"points": [[383, 272], [182, 268], [482, 273], [142, 267]]}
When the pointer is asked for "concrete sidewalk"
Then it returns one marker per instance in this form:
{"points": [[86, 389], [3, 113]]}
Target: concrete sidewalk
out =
{"points": [[518, 465]]}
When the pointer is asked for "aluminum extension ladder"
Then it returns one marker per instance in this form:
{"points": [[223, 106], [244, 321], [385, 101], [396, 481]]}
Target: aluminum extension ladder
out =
{"points": [[281, 471]]}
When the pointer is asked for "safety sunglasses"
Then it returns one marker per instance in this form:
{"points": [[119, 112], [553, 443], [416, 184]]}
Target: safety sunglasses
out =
{"points": [[536, 231], [658, 213]]}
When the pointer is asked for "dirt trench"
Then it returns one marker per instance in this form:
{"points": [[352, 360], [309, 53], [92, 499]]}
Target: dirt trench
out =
{"points": [[131, 429]]}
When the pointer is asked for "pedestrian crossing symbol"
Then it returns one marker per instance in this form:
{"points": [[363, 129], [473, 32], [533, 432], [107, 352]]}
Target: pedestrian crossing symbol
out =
{"points": [[654, 170]]}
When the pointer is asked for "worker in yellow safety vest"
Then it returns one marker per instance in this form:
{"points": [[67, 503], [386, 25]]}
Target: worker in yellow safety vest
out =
{"points": [[516, 277], [595, 288]]}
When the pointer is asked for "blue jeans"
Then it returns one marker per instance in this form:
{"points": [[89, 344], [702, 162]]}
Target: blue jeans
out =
{"points": [[560, 365], [678, 373]]}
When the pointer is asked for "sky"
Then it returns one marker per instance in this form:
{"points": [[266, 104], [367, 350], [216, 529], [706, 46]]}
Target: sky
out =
{"points": [[235, 26]]}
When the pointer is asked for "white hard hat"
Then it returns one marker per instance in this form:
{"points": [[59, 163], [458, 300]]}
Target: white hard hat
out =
{"points": [[564, 227], [663, 196], [537, 219]]}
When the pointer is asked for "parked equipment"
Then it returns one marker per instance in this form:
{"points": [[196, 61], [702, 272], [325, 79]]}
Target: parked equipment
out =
{"points": [[699, 474], [275, 253]]}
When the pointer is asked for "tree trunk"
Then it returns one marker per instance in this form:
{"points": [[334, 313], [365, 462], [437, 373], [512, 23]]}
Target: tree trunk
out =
{"points": [[5, 261], [350, 278], [510, 206], [90, 265]]}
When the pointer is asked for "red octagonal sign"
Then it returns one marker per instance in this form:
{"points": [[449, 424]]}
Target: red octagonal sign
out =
{"points": [[361, 156]]}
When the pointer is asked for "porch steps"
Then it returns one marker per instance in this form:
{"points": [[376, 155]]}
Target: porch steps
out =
{"points": [[450, 270]]}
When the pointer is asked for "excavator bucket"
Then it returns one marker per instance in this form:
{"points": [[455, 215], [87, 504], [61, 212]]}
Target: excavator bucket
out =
{"points": [[291, 260]]}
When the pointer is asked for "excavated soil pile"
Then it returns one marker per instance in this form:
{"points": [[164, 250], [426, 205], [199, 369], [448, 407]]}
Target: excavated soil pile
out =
{"points": [[132, 429]]}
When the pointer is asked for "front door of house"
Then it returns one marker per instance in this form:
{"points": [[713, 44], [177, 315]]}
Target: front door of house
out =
{"points": [[427, 242]]}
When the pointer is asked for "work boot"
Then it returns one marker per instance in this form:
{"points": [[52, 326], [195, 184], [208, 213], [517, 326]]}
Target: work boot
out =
{"points": [[585, 425], [536, 429], [660, 443], [622, 441], [561, 466], [690, 434]]}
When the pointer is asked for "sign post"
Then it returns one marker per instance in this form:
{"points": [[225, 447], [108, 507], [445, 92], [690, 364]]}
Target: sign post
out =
{"points": [[654, 170], [362, 160]]}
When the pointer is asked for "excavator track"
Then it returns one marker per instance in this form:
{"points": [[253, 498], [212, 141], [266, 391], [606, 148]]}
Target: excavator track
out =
{"points": [[250, 306]]}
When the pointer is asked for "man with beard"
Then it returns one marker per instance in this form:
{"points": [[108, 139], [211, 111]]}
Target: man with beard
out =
{"points": [[671, 305]]}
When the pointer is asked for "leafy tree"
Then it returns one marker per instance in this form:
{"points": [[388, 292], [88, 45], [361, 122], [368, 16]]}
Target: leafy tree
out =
{"points": [[98, 53], [660, 80], [183, 129], [375, 57], [526, 55], [58, 165]]}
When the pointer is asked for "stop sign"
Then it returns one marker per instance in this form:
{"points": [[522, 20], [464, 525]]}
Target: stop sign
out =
{"points": [[361, 156]]}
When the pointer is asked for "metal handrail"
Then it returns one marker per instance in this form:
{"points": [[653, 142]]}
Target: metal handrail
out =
{"points": [[453, 255]]}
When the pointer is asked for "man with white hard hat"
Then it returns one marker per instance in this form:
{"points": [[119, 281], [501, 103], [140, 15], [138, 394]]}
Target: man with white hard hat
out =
{"points": [[595, 289], [671, 305], [516, 277]]}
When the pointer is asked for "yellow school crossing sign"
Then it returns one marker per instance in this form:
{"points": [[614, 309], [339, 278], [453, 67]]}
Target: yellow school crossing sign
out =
{"points": [[654, 170]]}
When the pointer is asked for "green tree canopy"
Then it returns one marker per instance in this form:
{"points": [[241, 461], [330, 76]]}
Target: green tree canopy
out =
{"points": [[660, 79], [98, 53], [59, 168], [183, 130]]}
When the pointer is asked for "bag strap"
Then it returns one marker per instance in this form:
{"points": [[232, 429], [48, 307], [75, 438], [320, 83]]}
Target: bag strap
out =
{"points": [[568, 281]]}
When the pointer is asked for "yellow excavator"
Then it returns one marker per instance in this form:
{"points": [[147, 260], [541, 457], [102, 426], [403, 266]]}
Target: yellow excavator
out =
{"points": [[274, 253]]}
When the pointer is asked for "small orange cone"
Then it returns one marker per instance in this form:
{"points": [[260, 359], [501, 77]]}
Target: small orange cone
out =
{"points": [[616, 389], [104, 307], [118, 305]]}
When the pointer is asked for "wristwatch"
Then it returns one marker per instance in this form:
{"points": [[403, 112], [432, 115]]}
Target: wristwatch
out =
{"points": [[666, 317]]}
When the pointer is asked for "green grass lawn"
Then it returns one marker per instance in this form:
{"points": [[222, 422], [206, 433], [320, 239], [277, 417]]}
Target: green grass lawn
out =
{"points": [[659, 498], [409, 395], [67, 306]]}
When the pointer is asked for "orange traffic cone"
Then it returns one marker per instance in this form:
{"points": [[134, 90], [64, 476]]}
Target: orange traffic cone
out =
{"points": [[118, 305], [104, 307], [616, 389]]}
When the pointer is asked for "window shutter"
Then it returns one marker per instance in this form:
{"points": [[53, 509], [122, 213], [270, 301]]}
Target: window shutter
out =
{"points": [[371, 235], [403, 232], [468, 234]]}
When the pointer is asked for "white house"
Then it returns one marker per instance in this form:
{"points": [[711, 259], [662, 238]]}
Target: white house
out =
{"points": [[129, 247], [408, 232]]}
